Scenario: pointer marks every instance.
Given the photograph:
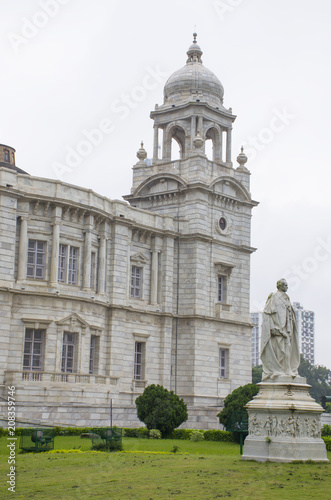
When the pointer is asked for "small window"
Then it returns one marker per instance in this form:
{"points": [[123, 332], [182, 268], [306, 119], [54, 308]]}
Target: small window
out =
{"points": [[136, 282], [222, 223], [221, 289], [7, 157], [33, 349], [68, 352], [139, 361], [224, 363], [36, 259]]}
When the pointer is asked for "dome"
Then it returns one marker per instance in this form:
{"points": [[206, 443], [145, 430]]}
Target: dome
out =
{"points": [[194, 81]]}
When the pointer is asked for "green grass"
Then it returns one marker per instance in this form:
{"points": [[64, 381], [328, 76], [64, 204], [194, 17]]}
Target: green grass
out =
{"points": [[200, 470]]}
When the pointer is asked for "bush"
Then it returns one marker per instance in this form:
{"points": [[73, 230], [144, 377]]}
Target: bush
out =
{"points": [[154, 434], [196, 436], [161, 409], [216, 435], [181, 434], [326, 430], [236, 401], [327, 441]]}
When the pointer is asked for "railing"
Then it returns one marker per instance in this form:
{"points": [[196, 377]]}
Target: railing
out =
{"points": [[14, 377]]}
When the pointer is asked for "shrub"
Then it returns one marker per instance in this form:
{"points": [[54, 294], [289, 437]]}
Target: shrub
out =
{"points": [[155, 434], [236, 401], [217, 435], [161, 409], [326, 430], [181, 434], [327, 441], [196, 436]]}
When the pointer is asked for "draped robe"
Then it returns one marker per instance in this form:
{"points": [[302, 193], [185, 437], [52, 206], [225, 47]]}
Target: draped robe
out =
{"points": [[279, 340]]}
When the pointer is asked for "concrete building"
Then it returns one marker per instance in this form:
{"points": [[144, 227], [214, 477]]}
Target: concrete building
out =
{"points": [[101, 298], [306, 333]]}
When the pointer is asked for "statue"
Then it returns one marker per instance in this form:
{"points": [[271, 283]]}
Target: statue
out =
{"points": [[280, 354]]}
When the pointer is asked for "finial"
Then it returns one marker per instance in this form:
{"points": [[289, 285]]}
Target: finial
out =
{"points": [[242, 159], [141, 153], [195, 37]]}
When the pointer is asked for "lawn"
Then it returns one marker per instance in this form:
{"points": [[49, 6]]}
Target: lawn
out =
{"points": [[148, 470]]}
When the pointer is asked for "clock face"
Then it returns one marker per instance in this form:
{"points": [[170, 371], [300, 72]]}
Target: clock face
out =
{"points": [[222, 223]]}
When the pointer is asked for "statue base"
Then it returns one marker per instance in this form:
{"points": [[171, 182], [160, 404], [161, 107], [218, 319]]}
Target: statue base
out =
{"points": [[284, 423]]}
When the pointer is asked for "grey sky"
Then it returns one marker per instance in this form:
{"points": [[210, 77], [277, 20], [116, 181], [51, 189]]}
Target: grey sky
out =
{"points": [[73, 66]]}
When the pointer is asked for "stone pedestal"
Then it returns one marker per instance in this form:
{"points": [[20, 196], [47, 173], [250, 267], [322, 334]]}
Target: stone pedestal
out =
{"points": [[284, 423]]}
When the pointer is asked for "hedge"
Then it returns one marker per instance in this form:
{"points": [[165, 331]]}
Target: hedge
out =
{"points": [[138, 432]]}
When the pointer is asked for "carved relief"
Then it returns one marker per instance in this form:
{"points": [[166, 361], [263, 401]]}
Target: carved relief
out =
{"points": [[273, 426]]}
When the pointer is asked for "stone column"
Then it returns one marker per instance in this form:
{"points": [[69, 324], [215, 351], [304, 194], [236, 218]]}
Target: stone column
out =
{"points": [[156, 143], [154, 276], [87, 253], [220, 150], [193, 133], [228, 145], [155, 270], [55, 246], [23, 249], [102, 265], [200, 126]]}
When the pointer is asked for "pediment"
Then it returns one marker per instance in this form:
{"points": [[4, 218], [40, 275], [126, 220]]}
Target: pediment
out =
{"points": [[139, 258], [73, 322]]}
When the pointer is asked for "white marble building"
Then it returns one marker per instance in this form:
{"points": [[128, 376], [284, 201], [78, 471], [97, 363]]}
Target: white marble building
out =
{"points": [[100, 298]]}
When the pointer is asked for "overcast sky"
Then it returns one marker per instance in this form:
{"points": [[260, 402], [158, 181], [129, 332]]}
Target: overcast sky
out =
{"points": [[70, 67]]}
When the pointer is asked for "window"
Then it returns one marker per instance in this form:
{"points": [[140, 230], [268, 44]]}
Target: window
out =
{"points": [[7, 159], [136, 282], [68, 265], [221, 289], [33, 349], [139, 361], [36, 259], [224, 362], [93, 279], [68, 352], [94, 348]]}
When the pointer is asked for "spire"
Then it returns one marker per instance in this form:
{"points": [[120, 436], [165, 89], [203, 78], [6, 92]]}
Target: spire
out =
{"points": [[194, 52]]}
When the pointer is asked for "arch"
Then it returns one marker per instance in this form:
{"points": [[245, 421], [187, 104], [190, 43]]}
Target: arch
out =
{"points": [[177, 132], [242, 192], [214, 133], [161, 178]]}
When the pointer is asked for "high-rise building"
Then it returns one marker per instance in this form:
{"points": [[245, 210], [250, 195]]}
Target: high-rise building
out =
{"points": [[101, 298], [306, 333]]}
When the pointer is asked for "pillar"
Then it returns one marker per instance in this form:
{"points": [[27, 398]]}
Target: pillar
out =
{"points": [[102, 265], [156, 143], [23, 249], [228, 145], [55, 246], [87, 253]]}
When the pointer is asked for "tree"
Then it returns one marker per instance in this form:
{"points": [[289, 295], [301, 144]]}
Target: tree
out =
{"points": [[237, 400], [161, 409], [318, 377], [256, 374]]}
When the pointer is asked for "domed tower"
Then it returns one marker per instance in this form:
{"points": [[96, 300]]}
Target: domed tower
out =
{"points": [[208, 260], [193, 112]]}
